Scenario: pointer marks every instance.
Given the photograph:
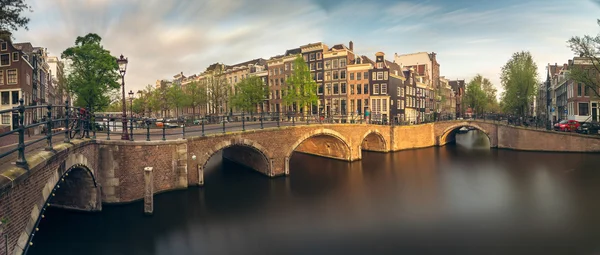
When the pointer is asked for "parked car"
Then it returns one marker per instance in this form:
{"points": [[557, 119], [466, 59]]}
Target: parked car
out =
{"points": [[589, 128], [566, 125]]}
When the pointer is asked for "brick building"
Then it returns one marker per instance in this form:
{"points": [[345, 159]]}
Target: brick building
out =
{"points": [[313, 56], [15, 81], [336, 80], [358, 81]]}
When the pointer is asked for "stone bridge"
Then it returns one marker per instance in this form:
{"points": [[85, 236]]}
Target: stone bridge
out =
{"points": [[86, 173]]}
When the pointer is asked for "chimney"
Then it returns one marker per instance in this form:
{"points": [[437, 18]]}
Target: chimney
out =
{"points": [[6, 36], [351, 45]]}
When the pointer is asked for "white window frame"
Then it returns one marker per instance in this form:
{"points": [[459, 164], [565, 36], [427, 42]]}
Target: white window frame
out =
{"points": [[375, 89], [383, 86], [9, 58], [16, 75]]}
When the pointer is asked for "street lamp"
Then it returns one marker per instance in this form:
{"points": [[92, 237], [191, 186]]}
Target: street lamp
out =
{"points": [[122, 62]]}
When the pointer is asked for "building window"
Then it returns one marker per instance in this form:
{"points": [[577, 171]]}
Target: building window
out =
{"points": [[358, 76], [383, 88], [1, 77], [351, 89], [366, 89], [343, 74], [342, 63], [380, 76], [305, 57], [379, 65], [319, 65], [282, 81], [312, 56], [385, 75], [366, 75], [312, 66], [319, 56], [351, 76], [384, 105], [335, 64], [358, 89], [328, 89], [578, 89], [15, 56], [352, 108], [400, 104], [5, 98], [15, 97], [319, 76], [401, 92], [584, 109], [336, 89], [327, 64], [11, 76], [5, 59], [320, 91], [375, 89], [586, 91], [398, 91], [335, 75], [343, 87], [6, 118], [4, 46], [328, 76]]}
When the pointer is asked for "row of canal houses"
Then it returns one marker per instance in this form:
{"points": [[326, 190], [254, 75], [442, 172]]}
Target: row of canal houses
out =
{"points": [[407, 89]]}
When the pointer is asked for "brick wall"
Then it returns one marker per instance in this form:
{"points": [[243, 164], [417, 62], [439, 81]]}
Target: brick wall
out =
{"points": [[540, 140]]}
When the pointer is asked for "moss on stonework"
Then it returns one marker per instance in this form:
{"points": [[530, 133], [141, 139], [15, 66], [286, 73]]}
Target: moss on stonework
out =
{"points": [[14, 172]]}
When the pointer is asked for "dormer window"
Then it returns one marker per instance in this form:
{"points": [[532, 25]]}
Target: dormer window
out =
{"points": [[15, 56], [4, 46], [379, 65]]}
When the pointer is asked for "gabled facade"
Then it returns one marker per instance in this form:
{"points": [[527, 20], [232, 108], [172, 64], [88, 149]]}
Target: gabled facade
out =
{"points": [[336, 77], [358, 81], [313, 56], [15, 82], [379, 82]]}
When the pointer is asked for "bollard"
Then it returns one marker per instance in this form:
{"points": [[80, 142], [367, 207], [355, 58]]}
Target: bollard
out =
{"points": [[147, 130], [148, 191], [49, 128], [163, 130]]}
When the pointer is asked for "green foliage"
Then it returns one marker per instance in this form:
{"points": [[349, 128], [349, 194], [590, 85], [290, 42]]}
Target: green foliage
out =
{"points": [[217, 90], [10, 14], [176, 98], [94, 72], [300, 88], [519, 79], [481, 95], [196, 95], [250, 92], [587, 47], [475, 96], [138, 105]]}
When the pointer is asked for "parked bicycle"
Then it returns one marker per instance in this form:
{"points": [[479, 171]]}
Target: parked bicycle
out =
{"points": [[77, 124]]}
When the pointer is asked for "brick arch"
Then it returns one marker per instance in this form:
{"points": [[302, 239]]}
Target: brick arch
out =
{"points": [[53, 185], [319, 132], [449, 130], [379, 135], [237, 142]]}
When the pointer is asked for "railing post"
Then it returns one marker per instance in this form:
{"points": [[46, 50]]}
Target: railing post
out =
{"points": [[183, 129], [68, 114], [262, 116], [21, 161], [203, 119], [163, 131], [278, 118], [88, 126], [223, 121], [108, 130], [49, 128], [147, 130], [93, 116], [131, 128], [243, 122]]}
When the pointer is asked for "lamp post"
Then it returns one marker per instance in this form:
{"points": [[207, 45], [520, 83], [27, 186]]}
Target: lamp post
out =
{"points": [[122, 62], [130, 103]]}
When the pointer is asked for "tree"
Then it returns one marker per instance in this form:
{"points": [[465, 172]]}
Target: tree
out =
{"points": [[217, 88], [250, 93], [138, 106], [475, 97], [588, 75], [519, 79], [176, 98], [10, 15], [94, 72], [196, 96], [489, 102], [300, 88]]}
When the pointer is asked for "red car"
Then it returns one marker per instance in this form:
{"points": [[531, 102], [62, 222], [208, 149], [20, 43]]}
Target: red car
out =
{"points": [[566, 125]]}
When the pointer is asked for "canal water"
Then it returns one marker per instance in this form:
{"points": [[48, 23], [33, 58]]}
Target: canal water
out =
{"points": [[457, 199]]}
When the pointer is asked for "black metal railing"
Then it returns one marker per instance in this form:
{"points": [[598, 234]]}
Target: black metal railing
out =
{"points": [[79, 123]]}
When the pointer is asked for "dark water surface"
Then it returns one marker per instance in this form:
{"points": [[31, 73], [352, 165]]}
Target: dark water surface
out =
{"points": [[458, 199]]}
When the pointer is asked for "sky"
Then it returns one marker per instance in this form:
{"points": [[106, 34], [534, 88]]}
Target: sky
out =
{"points": [[162, 38]]}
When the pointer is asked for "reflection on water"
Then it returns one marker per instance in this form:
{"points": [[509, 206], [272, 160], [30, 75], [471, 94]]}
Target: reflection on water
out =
{"points": [[447, 200], [473, 140]]}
